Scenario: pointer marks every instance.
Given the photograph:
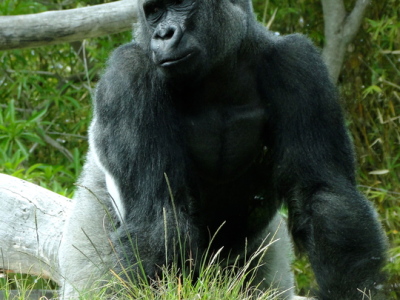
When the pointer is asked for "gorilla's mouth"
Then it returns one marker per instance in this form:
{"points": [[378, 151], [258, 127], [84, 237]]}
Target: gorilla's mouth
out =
{"points": [[173, 61]]}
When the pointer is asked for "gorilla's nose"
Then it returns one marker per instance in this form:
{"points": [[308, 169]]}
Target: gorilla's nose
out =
{"points": [[166, 38]]}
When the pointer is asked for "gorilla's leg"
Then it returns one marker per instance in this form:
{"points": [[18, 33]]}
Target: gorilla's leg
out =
{"points": [[85, 253], [275, 271]]}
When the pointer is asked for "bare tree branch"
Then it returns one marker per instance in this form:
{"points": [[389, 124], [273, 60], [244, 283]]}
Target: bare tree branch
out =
{"points": [[355, 19], [340, 30], [71, 25], [58, 146]]}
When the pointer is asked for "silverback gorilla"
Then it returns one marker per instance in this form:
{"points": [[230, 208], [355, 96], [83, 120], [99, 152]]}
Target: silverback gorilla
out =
{"points": [[239, 121]]}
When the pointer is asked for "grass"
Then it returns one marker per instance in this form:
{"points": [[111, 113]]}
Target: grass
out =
{"points": [[215, 280]]}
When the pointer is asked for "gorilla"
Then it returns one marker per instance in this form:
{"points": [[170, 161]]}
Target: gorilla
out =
{"points": [[204, 126]]}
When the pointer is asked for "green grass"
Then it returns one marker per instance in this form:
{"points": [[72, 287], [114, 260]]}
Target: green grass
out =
{"points": [[215, 280]]}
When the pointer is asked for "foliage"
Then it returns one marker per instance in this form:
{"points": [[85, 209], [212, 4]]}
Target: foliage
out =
{"points": [[371, 86], [45, 105], [45, 100]]}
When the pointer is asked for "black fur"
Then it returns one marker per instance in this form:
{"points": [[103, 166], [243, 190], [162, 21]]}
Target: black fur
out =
{"points": [[248, 121]]}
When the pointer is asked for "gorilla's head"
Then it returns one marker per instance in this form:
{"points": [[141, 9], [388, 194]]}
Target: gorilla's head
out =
{"points": [[191, 37]]}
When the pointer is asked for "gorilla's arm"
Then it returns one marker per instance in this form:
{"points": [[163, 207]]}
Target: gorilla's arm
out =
{"points": [[136, 137], [314, 173]]}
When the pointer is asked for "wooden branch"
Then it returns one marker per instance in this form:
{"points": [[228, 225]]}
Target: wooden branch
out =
{"points": [[31, 227], [58, 146], [54, 27], [355, 19], [340, 30]]}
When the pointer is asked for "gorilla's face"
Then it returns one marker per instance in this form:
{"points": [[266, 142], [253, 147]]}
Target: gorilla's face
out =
{"points": [[173, 45], [190, 37]]}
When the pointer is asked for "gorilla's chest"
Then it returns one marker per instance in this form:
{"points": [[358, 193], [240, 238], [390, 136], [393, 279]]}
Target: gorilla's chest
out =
{"points": [[224, 141]]}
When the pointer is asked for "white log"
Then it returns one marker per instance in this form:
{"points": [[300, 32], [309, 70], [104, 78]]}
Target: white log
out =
{"points": [[54, 27], [31, 227]]}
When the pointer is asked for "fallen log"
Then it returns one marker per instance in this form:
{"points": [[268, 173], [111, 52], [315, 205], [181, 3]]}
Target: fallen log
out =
{"points": [[32, 219]]}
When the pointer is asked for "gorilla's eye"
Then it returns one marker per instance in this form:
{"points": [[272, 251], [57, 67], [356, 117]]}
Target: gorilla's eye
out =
{"points": [[151, 9], [154, 10]]}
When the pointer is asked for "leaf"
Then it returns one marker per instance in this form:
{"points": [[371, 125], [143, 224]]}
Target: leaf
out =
{"points": [[36, 116], [372, 89], [379, 172]]}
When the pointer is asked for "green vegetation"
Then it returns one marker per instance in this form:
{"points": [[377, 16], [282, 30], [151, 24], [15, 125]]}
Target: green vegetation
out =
{"points": [[214, 282], [45, 104]]}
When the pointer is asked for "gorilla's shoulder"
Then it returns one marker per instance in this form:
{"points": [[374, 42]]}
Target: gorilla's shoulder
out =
{"points": [[130, 50], [128, 57], [295, 55], [294, 41], [296, 48], [128, 54]]}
